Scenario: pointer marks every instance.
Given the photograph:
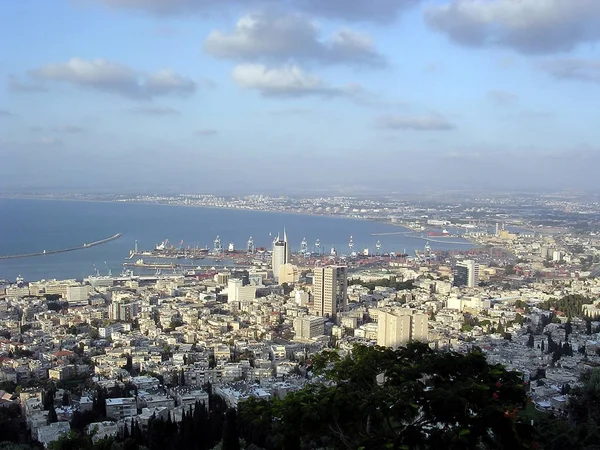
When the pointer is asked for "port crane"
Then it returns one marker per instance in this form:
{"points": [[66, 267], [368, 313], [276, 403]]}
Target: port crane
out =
{"points": [[304, 248], [218, 247]]}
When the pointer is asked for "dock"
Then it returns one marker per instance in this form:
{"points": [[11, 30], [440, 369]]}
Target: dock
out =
{"points": [[64, 250]]}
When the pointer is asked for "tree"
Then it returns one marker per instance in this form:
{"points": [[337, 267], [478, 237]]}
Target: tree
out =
{"points": [[424, 399], [570, 305], [48, 402], [52, 417], [129, 364], [231, 439]]}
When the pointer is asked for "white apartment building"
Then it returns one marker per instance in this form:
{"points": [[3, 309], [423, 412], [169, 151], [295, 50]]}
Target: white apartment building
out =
{"points": [[78, 294], [120, 408], [308, 327], [399, 326]]}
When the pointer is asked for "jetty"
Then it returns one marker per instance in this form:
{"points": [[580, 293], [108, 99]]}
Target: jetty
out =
{"points": [[64, 250]]}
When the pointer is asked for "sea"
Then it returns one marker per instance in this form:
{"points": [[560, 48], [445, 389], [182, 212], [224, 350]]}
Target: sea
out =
{"points": [[29, 225]]}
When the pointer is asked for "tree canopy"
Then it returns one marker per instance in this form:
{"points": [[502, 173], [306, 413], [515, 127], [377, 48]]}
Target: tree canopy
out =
{"points": [[570, 304], [377, 398]]}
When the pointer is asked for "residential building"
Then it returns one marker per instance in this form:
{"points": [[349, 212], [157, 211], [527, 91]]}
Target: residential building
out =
{"points": [[119, 408], [52, 432], [125, 310], [399, 326], [308, 327], [237, 292], [78, 294]]}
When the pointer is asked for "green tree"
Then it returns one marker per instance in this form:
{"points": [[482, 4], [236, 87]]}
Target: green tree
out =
{"points": [[412, 397], [231, 439], [52, 417], [571, 305]]}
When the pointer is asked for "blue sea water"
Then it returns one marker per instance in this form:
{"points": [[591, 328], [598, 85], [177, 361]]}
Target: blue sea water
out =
{"points": [[36, 225]]}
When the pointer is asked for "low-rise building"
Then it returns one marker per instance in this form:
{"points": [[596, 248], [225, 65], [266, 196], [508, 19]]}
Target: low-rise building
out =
{"points": [[119, 408]]}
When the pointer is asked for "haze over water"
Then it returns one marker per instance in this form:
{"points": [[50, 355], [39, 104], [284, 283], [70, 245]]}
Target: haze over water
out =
{"points": [[37, 225]]}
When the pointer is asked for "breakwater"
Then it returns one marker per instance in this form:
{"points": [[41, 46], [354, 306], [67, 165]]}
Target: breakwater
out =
{"points": [[64, 250]]}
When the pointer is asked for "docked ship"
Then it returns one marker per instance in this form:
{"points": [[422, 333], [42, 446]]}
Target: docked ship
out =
{"points": [[443, 233], [141, 263]]}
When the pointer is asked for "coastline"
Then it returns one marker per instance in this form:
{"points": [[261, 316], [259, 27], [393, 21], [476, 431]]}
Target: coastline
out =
{"points": [[214, 207], [383, 221]]}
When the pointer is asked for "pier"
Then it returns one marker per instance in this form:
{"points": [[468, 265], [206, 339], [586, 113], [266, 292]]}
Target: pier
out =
{"points": [[64, 250]]}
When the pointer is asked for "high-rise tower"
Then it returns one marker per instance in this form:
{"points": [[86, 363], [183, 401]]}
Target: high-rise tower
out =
{"points": [[330, 290], [281, 255], [466, 273]]}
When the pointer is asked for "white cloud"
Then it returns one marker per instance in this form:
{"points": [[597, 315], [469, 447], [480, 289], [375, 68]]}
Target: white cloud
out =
{"points": [[108, 76], [167, 82], [573, 69], [284, 37], [528, 26], [288, 80], [432, 122]]}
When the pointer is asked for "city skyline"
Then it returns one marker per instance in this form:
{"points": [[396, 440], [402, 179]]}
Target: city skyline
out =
{"points": [[381, 95]]}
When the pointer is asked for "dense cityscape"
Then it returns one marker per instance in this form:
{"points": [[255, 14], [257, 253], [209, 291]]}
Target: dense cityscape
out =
{"points": [[299, 225], [109, 356]]}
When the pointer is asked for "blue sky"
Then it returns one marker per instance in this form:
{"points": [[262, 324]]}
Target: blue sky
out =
{"points": [[299, 95]]}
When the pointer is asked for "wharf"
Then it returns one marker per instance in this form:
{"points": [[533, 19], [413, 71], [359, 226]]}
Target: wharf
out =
{"points": [[64, 250]]}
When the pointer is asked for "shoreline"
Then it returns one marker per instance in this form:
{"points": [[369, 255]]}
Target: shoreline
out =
{"points": [[407, 230], [273, 211]]}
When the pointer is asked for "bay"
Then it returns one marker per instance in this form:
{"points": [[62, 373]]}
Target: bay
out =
{"points": [[36, 225]]}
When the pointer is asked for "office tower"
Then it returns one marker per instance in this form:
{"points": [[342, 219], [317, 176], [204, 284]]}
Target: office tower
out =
{"points": [[281, 255], [466, 273], [330, 287], [397, 327], [460, 276]]}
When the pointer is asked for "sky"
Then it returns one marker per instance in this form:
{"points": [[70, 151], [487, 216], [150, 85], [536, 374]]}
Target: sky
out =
{"points": [[299, 96]]}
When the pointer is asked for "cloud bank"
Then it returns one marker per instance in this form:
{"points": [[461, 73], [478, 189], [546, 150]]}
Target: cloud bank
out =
{"points": [[272, 37], [116, 78], [527, 26]]}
